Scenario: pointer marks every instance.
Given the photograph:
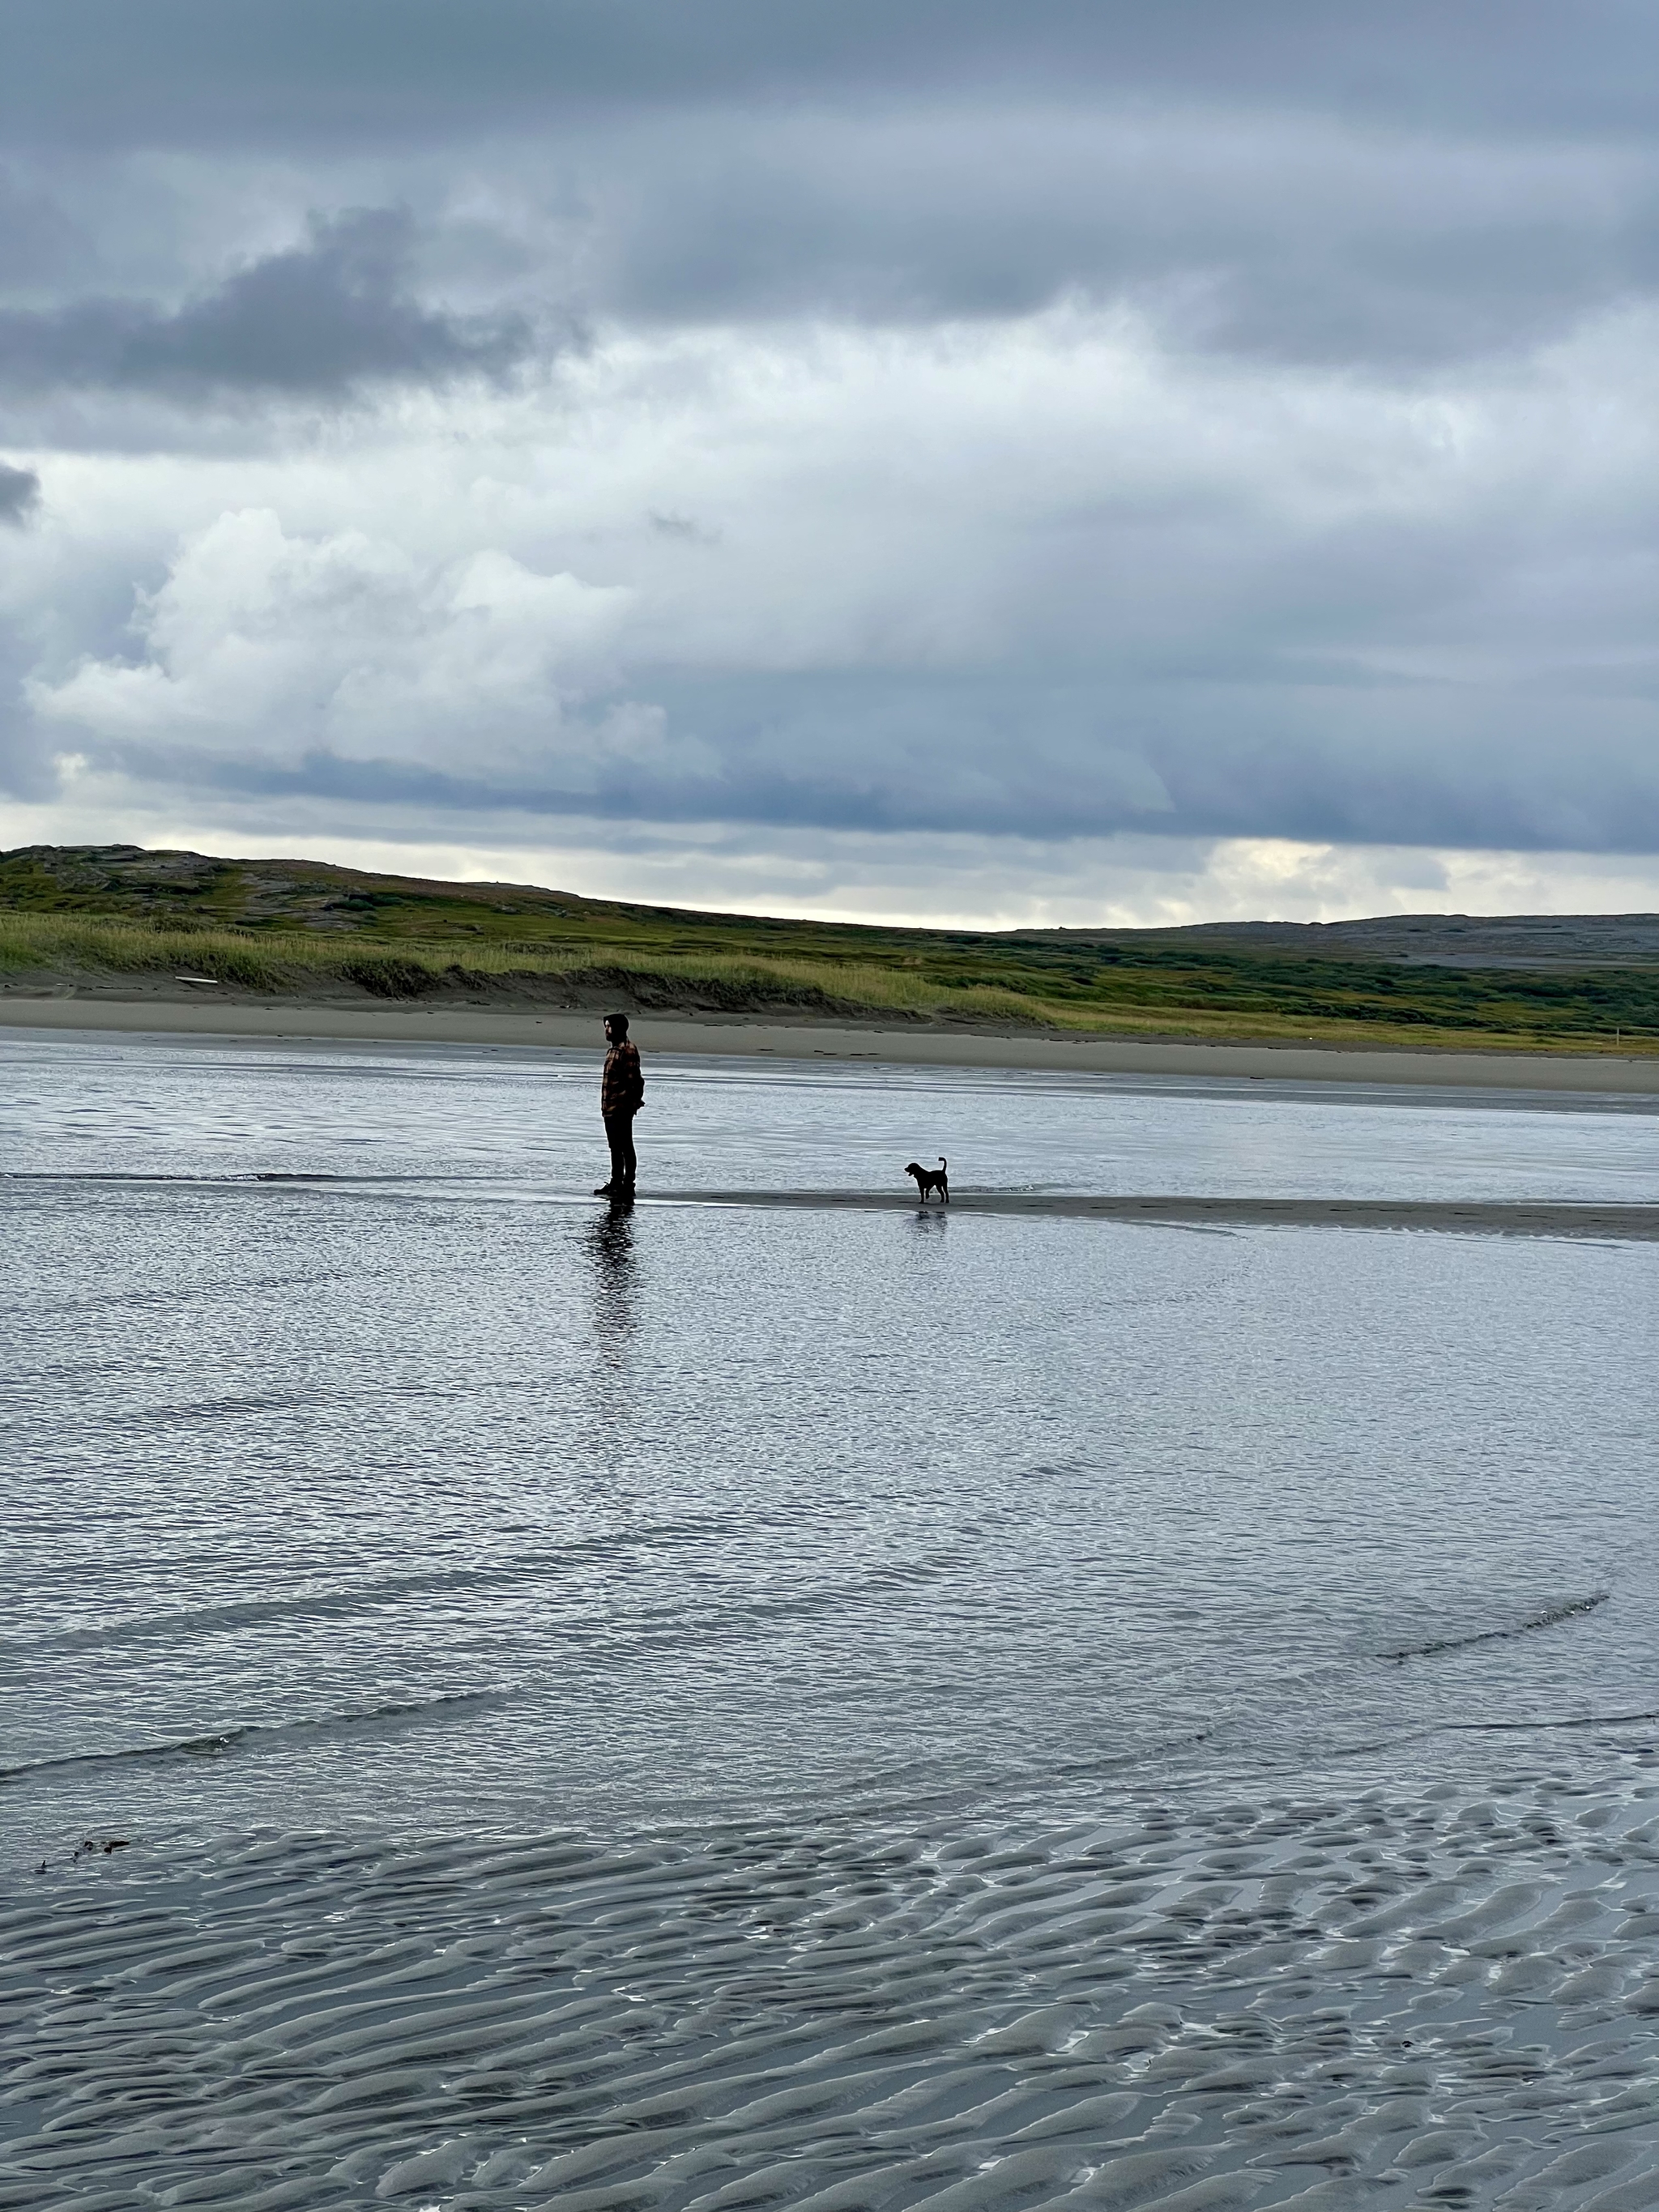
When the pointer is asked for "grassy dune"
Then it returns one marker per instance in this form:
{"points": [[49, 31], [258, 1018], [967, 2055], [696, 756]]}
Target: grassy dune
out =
{"points": [[296, 962], [297, 928], [290, 961]]}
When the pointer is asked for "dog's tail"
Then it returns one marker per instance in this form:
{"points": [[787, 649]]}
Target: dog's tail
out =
{"points": [[943, 1161]]}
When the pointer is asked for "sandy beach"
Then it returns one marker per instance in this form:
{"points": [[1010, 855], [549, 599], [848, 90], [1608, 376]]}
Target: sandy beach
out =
{"points": [[918, 1044]]}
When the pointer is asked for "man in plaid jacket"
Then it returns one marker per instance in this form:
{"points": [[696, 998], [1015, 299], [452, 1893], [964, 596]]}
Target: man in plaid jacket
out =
{"points": [[622, 1093]]}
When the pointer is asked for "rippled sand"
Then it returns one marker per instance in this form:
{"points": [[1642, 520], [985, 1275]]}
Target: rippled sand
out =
{"points": [[1391, 1998]]}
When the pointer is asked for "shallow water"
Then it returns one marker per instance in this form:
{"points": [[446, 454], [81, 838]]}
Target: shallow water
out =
{"points": [[865, 1590], [205, 1107]]}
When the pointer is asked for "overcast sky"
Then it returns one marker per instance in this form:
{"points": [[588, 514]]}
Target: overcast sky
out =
{"points": [[982, 460]]}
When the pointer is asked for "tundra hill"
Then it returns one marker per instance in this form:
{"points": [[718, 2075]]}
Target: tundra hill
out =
{"points": [[98, 916], [1452, 940]]}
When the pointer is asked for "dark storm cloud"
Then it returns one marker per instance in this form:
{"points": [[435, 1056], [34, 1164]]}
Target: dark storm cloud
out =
{"points": [[1338, 763], [1289, 241], [1285, 243], [317, 320], [1238, 755], [20, 493], [362, 69], [1299, 179]]}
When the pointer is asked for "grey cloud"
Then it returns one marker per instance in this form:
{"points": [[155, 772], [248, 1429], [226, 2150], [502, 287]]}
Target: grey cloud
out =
{"points": [[1022, 753], [20, 493], [1297, 241], [39, 246], [1188, 652], [684, 528], [27, 767], [1197, 667], [367, 70], [1237, 173], [1007, 756], [1299, 237], [315, 320]]}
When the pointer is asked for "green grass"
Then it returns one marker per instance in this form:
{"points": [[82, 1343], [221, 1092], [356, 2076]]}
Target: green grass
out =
{"points": [[293, 927], [290, 961]]}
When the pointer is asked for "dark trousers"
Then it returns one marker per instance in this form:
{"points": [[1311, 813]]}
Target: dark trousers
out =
{"points": [[619, 1135]]}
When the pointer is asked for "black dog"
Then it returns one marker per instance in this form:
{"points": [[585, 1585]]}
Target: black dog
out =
{"points": [[927, 1181]]}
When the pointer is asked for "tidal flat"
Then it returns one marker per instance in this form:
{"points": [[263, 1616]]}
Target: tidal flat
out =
{"points": [[721, 1705]]}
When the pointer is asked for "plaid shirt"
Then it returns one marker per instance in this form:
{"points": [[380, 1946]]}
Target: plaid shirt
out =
{"points": [[621, 1087]]}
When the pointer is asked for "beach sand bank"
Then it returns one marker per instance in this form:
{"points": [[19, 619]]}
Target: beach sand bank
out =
{"points": [[917, 1045], [1480, 1217]]}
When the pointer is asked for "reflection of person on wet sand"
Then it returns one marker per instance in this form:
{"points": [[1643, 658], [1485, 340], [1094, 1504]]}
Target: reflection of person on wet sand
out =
{"points": [[622, 1093], [610, 1242]]}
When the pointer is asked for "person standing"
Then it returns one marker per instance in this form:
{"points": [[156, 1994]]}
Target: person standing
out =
{"points": [[622, 1093]]}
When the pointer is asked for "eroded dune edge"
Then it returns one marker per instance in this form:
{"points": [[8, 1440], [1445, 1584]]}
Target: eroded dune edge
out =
{"points": [[1402, 1996]]}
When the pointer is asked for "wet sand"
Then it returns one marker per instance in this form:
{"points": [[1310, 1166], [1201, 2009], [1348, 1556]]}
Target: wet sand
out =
{"points": [[919, 1044], [1313, 1998], [1471, 1216]]}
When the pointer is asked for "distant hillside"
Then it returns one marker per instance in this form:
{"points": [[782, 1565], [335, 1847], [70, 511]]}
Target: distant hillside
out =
{"points": [[173, 887], [92, 916], [128, 879], [1457, 940]]}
